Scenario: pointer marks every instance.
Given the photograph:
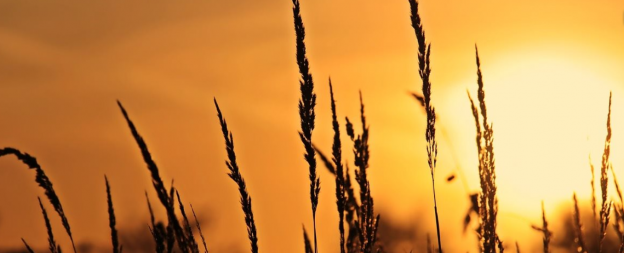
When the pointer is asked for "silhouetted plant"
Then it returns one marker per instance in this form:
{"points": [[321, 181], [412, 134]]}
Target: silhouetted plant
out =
{"points": [[605, 210], [340, 177], [424, 69], [30, 250], [245, 199], [578, 227], [359, 215], [488, 201], [111, 219], [307, 102], [199, 229], [54, 248], [45, 183], [174, 229], [544, 229]]}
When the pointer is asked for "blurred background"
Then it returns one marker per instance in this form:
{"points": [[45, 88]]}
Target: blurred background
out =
{"points": [[548, 68]]}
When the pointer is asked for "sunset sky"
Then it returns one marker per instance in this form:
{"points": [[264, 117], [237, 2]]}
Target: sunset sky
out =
{"points": [[548, 68]]}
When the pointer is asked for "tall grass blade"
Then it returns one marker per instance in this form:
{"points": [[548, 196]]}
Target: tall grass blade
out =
{"points": [[326, 160], [54, 248], [111, 219], [352, 210], [488, 201], [45, 183], [199, 229], [193, 247], [238, 179], [593, 188], [157, 182], [306, 242], [605, 210], [28, 248], [424, 69], [337, 159], [158, 232], [618, 209], [578, 227], [544, 230], [367, 221], [307, 103]]}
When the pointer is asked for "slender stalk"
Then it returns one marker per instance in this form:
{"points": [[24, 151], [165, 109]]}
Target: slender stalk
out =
{"points": [[424, 69], [306, 242], [111, 219], [28, 248], [236, 176], [488, 201], [306, 112], [192, 245], [604, 182], [158, 232], [165, 199], [593, 187], [547, 233], [618, 209], [45, 183], [337, 159], [199, 229], [54, 248], [367, 222], [435, 208], [578, 226]]}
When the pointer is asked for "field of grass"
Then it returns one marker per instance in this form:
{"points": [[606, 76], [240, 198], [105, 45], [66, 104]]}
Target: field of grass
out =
{"points": [[360, 224]]}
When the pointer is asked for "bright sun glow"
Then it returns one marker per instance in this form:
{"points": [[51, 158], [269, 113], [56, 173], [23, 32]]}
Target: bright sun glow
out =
{"points": [[549, 115]]}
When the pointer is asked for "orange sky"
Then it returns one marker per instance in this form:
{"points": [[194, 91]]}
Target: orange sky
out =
{"points": [[548, 69]]}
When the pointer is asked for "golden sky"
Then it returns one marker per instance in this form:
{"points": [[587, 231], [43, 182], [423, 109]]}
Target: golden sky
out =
{"points": [[548, 68]]}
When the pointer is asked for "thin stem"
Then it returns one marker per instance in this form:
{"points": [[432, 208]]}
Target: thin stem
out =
{"points": [[435, 208]]}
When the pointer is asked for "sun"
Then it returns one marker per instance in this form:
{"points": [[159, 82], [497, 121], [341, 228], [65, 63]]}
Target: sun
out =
{"points": [[549, 115]]}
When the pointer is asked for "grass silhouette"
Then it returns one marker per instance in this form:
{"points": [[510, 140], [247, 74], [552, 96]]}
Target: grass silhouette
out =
{"points": [[238, 179], [111, 220], [306, 112], [358, 222], [424, 69]]}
